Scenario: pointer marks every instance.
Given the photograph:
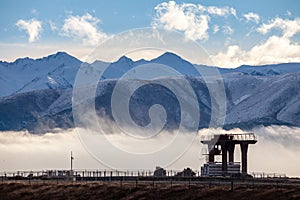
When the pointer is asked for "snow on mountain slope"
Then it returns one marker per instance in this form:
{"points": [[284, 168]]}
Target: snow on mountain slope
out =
{"points": [[118, 68], [58, 71], [182, 66], [36, 95], [266, 70], [124, 64], [264, 100], [25, 74], [251, 101]]}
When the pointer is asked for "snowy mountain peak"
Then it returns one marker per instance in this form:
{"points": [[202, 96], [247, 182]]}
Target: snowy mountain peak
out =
{"points": [[124, 59], [25, 74], [168, 56], [23, 61], [268, 70], [59, 54], [59, 71], [62, 56], [141, 61]]}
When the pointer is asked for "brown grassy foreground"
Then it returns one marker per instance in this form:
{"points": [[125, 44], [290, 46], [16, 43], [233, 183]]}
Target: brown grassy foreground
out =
{"points": [[114, 190]]}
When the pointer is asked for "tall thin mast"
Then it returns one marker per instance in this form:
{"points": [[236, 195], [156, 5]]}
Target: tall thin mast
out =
{"points": [[72, 161]]}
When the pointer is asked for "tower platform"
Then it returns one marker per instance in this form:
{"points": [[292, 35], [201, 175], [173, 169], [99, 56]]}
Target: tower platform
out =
{"points": [[224, 145]]}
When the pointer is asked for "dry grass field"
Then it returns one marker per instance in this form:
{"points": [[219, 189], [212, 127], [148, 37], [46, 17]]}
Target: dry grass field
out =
{"points": [[128, 190]]}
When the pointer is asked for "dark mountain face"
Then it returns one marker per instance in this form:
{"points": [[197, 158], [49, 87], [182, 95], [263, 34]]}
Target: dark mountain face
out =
{"points": [[251, 101], [37, 94], [23, 111]]}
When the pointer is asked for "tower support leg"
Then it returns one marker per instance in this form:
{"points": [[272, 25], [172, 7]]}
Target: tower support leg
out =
{"points": [[244, 151], [231, 152], [211, 156], [224, 148]]}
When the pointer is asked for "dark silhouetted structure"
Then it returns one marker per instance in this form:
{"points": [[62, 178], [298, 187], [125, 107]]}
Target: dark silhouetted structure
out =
{"points": [[188, 172], [224, 145], [159, 171]]}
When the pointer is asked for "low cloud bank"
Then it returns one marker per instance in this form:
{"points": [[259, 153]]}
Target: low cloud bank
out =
{"points": [[277, 151]]}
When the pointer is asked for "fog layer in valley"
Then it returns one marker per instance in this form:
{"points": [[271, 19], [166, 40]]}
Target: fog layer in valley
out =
{"points": [[277, 151]]}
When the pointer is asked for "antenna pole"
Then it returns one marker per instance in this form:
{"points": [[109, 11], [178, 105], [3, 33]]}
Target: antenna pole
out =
{"points": [[72, 161]]}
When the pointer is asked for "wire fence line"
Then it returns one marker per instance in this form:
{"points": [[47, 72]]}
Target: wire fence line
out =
{"points": [[117, 173], [136, 178]]}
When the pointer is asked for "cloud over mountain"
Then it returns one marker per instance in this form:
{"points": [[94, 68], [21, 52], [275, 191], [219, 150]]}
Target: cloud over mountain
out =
{"points": [[33, 28]]}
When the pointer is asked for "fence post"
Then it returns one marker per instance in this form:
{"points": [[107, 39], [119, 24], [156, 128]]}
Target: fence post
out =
{"points": [[87, 176]]}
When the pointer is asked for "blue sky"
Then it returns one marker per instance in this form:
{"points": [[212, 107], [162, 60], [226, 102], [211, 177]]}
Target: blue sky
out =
{"points": [[233, 32]]}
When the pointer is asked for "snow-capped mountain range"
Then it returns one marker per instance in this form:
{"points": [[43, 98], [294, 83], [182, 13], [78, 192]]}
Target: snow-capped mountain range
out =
{"points": [[36, 94], [25, 74], [58, 71]]}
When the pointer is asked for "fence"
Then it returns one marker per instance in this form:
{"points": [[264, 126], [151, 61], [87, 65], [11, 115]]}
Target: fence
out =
{"points": [[89, 173], [114, 173], [160, 182], [267, 175]]}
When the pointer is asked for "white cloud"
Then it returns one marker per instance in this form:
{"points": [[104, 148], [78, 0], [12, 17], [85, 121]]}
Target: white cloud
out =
{"points": [[229, 41], [184, 18], [83, 28], [32, 27], [53, 26], [233, 12], [252, 17], [221, 11], [276, 49], [189, 18], [11, 51], [288, 27], [227, 30], [216, 28]]}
